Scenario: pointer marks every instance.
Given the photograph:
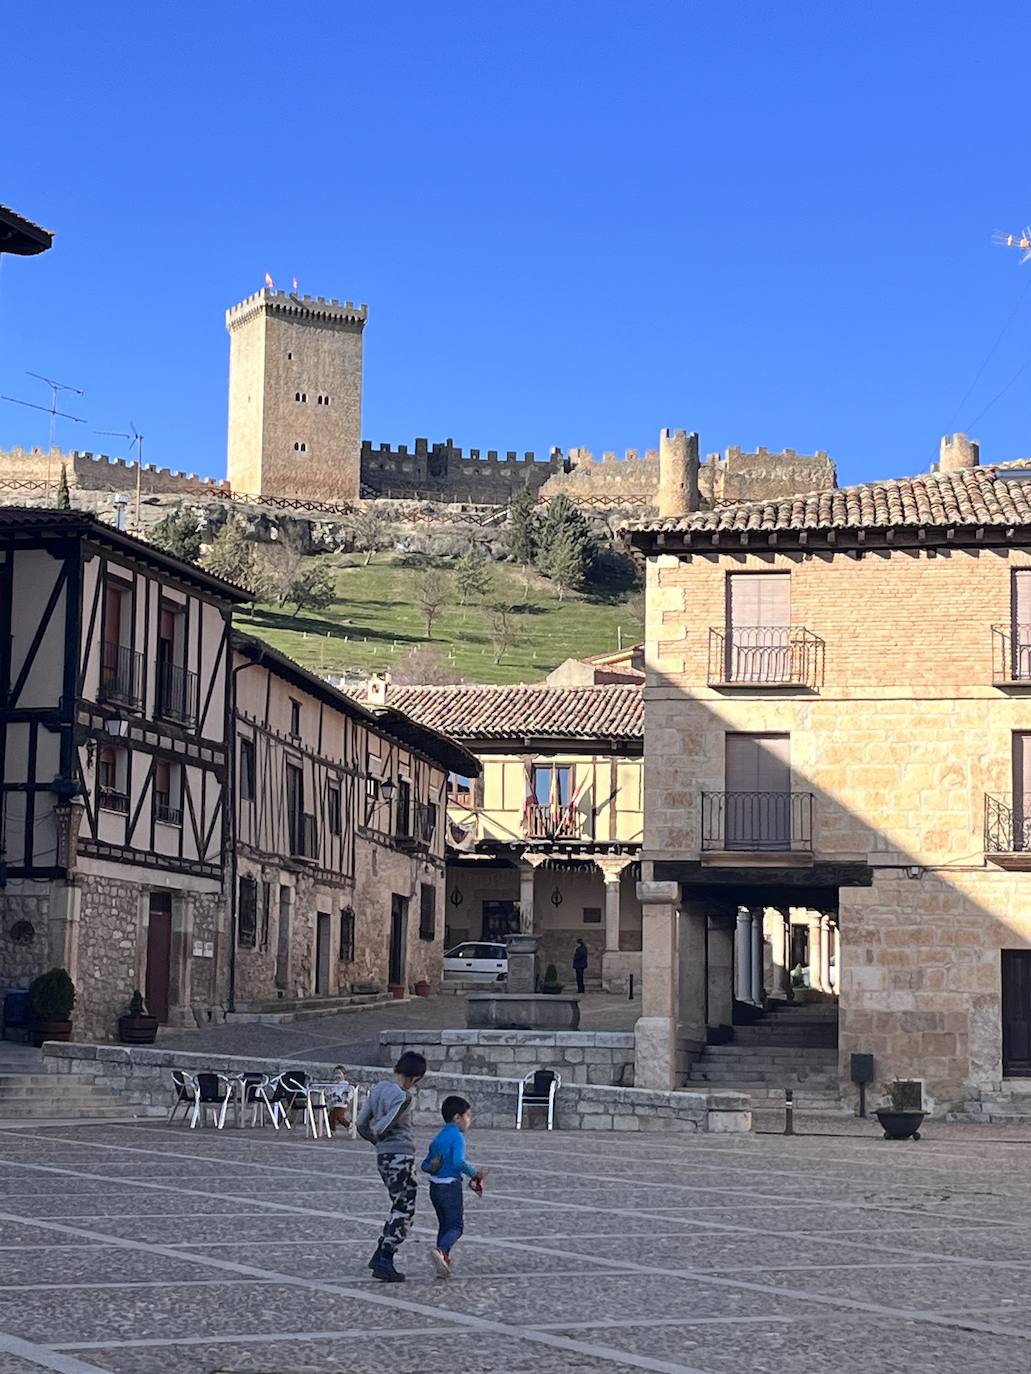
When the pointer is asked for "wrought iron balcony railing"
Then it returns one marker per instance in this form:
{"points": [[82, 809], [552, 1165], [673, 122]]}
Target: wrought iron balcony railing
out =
{"points": [[765, 656], [177, 693], [757, 821], [121, 673], [304, 842], [110, 799], [547, 821], [167, 814], [1007, 825], [1011, 653]]}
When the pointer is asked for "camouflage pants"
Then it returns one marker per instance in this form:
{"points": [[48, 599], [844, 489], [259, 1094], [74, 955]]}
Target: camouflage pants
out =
{"points": [[398, 1173]]}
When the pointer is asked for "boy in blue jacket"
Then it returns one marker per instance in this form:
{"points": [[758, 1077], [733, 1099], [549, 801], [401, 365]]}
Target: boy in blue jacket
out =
{"points": [[448, 1167]]}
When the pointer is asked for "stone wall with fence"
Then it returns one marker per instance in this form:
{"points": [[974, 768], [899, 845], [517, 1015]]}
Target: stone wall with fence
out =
{"points": [[142, 1079]]}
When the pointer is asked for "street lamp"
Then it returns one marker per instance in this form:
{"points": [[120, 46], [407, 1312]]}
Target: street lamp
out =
{"points": [[386, 790]]}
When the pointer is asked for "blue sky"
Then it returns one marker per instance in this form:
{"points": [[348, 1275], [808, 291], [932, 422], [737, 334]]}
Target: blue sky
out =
{"points": [[573, 223]]}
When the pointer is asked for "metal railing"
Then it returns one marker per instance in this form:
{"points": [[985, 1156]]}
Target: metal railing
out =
{"points": [[544, 821], [177, 692], [1007, 825], [425, 823], [1011, 653], [110, 799], [121, 672], [766, 655], [303, 836], [167, 814], [757, 821]]}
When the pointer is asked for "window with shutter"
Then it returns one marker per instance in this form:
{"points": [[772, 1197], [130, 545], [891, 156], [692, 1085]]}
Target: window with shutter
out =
{"points": [[758, 627], [1021, 626], [427, 912], [757, 803], [247, 913]]}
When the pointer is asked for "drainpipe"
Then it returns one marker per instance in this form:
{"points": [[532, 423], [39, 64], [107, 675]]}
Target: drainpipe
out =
{"points": [[230, 826]]}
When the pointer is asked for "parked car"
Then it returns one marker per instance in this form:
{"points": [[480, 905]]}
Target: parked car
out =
{"points": [[479, 960]]}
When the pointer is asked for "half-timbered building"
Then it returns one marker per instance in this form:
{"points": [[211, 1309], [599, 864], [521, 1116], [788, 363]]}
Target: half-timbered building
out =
{"points": [[114, 704], [339, 848]]}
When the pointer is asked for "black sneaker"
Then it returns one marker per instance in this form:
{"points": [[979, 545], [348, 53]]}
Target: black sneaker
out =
{"points": [[375, 1259]]}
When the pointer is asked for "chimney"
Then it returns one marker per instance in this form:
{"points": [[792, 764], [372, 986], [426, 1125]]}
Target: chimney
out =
{"points": [[678, 472], [958, 454], [376, 689]]}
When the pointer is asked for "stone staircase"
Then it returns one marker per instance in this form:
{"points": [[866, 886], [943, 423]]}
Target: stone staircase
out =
{"points": [[791, 1047], [60, 1097]]}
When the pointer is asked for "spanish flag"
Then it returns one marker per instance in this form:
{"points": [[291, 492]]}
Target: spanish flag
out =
{"points": [[269, 282]]}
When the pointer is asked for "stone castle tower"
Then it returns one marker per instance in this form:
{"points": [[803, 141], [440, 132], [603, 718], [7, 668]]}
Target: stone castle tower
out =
{"points": [[295, 396]]}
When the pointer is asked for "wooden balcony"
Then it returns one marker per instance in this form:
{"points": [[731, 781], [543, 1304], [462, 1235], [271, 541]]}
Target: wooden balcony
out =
{"points": [[551, 822]]}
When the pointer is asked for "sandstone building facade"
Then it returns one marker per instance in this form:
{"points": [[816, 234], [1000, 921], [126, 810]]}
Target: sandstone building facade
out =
{"points": [[546, 842], [837, 715]]}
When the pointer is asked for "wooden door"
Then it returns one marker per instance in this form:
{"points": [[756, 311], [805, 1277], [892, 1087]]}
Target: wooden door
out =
{"points": [[159, 954], [398, 938], [758, 621], [1020, 668], [323, 946], [1021, 838], [1016, 1012], [757, 802]]}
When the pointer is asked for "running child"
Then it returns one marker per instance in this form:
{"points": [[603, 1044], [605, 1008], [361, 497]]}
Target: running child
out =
{"points": [[448, 1167], [385, 1120]]}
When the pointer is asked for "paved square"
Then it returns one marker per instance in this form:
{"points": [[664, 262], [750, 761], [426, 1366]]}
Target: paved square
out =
{"points": [[149, 1249]]}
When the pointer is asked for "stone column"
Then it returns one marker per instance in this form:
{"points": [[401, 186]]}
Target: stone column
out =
{"points": [[655, 1034], [612, 895], [815, 958], [743, 957], [775, 931], [756, 989], [825, 953], [836, 948], [721, 970], [63, 928], [527, 876], [691, 922]]}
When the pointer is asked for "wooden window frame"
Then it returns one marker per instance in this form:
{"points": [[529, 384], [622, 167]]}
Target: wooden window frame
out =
{"points": [[247, 913]]}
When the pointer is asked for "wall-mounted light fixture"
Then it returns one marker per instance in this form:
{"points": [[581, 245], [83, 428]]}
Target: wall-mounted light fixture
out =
{"points": [[556, 898], [386, 790]]}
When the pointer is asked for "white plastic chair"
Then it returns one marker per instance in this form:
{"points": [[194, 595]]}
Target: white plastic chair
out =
{"points": [[253, 1090], [538, 1089], [187, 1094]]}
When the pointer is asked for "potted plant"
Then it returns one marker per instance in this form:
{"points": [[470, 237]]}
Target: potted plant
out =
{"points": [[51, 997], [422, 987], [902, 1117], [136, 1027], [551, 984]]}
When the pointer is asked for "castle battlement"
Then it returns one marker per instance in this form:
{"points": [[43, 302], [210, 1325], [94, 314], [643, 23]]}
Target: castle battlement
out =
{"points": [[100, 472], [300, 309]]}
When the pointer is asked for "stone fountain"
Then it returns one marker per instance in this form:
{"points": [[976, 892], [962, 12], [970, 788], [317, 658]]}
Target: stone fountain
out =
{"points": [[521, 1006]]}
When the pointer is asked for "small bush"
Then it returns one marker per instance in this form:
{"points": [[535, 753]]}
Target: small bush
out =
{"points": [[52, 995]]}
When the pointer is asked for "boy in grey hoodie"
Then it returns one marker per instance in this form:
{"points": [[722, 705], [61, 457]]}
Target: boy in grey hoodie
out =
{"points": [[385, 1120]]}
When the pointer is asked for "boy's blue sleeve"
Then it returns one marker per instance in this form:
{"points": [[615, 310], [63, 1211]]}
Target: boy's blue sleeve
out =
{"points": [[461, 1163]]}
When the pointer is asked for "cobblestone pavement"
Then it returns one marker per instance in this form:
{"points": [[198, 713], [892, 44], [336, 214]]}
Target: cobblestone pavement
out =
{"points": [[353, 1036], [148, 1249]]}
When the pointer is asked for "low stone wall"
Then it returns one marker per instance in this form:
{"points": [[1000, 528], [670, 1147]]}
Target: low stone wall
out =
{"points": [[600, 1058], [141, 1077]]}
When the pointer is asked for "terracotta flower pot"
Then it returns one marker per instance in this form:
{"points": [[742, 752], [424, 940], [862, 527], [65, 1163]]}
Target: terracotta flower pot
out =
{"points": [[397, 990], [50, 1030], [422, 988]]}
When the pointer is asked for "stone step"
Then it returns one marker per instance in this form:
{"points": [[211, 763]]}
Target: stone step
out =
{"points": [[734, 1050]]}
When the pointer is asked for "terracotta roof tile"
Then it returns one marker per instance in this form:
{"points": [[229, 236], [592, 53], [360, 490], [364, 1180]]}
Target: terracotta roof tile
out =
{"points": [[974, 497], [503, 712]]}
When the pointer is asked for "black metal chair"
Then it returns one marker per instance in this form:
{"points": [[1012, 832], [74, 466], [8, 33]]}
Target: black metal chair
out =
{"points": [[215, 1091]]}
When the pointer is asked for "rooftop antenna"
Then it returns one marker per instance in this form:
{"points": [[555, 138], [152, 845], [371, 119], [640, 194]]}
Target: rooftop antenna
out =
{"points": [[135, 442], [1021, 241], [52, 411]]}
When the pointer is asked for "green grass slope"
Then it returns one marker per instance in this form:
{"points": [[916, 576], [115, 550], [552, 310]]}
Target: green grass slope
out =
{"points": [[374, 621]]}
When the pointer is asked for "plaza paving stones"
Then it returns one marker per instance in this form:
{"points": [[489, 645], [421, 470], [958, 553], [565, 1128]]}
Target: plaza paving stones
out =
{"points": [[150, 1249]]}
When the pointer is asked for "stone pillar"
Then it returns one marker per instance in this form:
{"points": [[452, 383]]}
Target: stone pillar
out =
{"points": [[775, 932], [63, 928], [522, 965], [743, 957], [721, 970], [815, 957], [612, 895], [655, 1035], [527, 875], [836, 950], [756, 989], [825, 953], [678, 472]]}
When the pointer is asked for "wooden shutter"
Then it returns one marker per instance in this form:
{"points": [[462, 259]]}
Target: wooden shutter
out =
{"points": [[1016, 1011], [1021, 627], [1021, 789], [758, 620], [757, 804], [755, 599]]}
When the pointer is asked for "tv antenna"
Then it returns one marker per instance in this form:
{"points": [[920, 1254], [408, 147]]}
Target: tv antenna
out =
{"points": [[52, 411], [1022, 241], [135, 442]]}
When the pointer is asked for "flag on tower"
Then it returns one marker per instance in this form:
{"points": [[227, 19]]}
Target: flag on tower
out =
{"points": [[269, 282]]}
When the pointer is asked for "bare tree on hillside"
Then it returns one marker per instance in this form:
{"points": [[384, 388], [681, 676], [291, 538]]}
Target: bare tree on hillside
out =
{"points": [[432, 591]]}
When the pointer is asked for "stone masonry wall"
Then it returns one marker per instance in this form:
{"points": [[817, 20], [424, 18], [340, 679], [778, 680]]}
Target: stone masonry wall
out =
{"points": [[899, 742], [98, 472], [601, 1058], [106, 976], [142, 1078], [21, 960]]}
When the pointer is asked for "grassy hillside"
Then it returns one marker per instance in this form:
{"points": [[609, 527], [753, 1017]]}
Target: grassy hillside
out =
{"points": [[374, 621]]}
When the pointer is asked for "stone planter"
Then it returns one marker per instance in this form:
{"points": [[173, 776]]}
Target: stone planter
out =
{"points": [[900, 1125], [521, 1011], [551, 989], [422, 988], [137, 1030], [50, 1030], [397, 991]]}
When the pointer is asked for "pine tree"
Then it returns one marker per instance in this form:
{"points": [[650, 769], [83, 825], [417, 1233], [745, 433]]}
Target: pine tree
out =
{"points": [[177, 533], [522, 526], [565, 546], [231, 555], [64, 496], [473, 575]]}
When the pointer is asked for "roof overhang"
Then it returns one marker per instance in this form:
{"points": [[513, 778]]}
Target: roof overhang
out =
{"points": [[851, 539], [22, 237]]}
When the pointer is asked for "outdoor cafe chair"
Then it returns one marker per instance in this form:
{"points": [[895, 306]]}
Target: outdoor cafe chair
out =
{"points": [[213, 1098], [187, 1094], [538, 1089], [253, 1090]]}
